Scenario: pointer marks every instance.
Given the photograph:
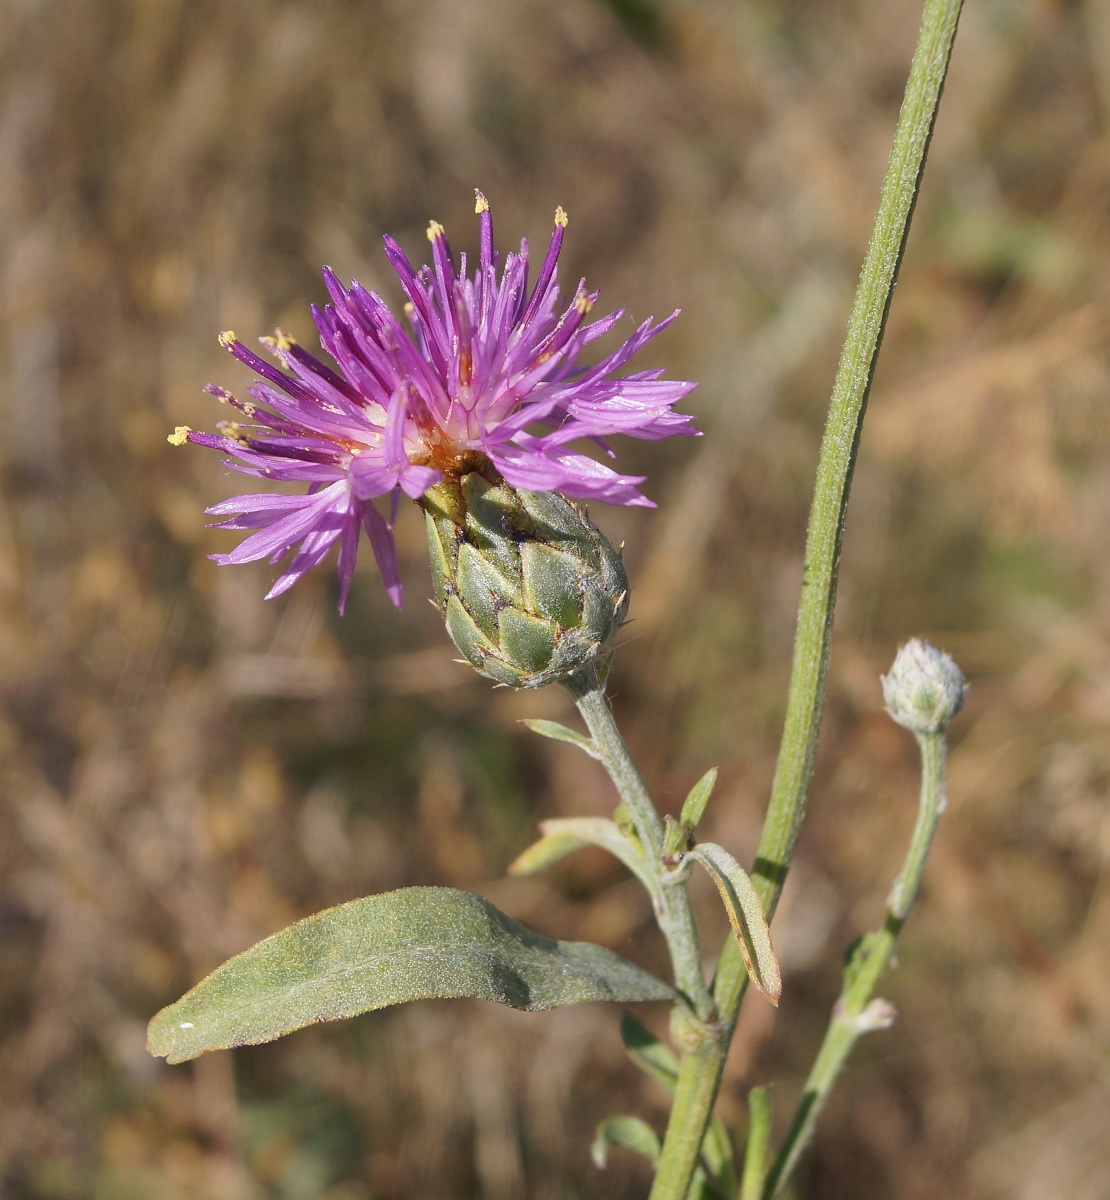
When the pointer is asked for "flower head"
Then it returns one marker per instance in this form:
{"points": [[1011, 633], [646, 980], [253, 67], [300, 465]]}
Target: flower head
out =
{"points": [[486, 376], [925, 688]]}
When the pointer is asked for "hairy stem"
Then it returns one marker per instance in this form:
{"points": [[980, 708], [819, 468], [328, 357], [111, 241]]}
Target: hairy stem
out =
{"points": [[854, 1013], [673, 912], [697, 1089]]}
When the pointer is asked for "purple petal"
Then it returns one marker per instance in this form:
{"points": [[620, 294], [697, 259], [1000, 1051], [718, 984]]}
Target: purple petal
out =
{"points": [[479, 366], [385, 551]]}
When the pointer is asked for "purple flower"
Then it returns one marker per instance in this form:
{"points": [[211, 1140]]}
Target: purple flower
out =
{"points": [[486, 373]]}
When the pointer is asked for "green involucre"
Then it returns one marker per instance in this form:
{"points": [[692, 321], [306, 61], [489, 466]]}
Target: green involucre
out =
{"points": [[530, 589]]}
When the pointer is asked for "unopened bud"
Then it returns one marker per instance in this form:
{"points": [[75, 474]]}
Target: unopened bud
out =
{"points": [[530, 589], [925, 689]]}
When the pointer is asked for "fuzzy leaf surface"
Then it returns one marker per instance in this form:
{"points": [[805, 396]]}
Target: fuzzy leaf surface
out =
{"points": [[694, 806], [367, 954], [563, 835], [745, 914], [560, 733]]}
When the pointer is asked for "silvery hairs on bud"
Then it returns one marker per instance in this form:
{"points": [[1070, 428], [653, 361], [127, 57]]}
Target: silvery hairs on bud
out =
{"points": [[925, 688]]}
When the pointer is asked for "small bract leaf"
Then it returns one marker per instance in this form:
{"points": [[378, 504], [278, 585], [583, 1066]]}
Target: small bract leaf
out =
{"points": [[629, 1132], [561, 835], [405, 945], [548, 850], [560, 733], [676, 839], [694, 805], [652, 1056], [745, 913]]}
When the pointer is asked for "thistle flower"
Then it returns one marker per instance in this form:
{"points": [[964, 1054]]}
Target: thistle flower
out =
{"points": [[486, 378]]}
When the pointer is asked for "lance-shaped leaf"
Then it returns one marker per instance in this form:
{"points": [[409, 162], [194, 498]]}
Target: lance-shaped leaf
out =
{"points": [[694, 805], [560, 733], [405, 945], [562, 835], [629, 1132], [649, 1053], [745, 913]]}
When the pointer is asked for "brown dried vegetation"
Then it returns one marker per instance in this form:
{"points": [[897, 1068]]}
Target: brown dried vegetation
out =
{"points": [[186, 767]]}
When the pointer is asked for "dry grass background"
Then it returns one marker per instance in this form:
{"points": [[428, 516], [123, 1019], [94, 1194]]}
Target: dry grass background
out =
{"points": [[187, 768]]}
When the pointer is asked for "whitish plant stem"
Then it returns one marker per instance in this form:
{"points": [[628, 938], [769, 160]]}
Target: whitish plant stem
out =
{"points": [[697, 1088], [672, 907], [854, 1013]]}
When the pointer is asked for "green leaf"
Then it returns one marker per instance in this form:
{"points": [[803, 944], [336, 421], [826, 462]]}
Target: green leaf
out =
{"points": [[694, 805], [405, 945], [629, 1132], [652, 1056], [676, 839], [755, 1151], [562, 835], [745, 914], [560, 733], [717, 1150]]}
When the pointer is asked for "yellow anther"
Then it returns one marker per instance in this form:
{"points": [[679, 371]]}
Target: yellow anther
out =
{"points": [[279, 344], [435, 229], [582, 304], [561, 218], [179, 436], [481, 204], [228, 338], [233, 430]]}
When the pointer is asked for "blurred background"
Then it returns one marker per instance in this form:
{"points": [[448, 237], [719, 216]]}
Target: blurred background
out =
{"points": [[187, 768]]}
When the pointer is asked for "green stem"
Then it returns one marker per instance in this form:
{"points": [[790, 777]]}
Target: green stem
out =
{"points": [[673, 912], [854, 1014], [934, 798], [697, 1089]]}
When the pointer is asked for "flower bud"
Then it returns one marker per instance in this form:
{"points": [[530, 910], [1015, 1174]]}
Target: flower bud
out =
{"points": [[531, 590], [925, 689]]}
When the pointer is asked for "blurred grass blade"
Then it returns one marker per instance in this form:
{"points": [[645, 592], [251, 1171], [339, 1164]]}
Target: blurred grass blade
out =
{"points": [[629, 1132], [694, 805], [563, 835], [561, 733], [745, 913], [405, 945]]}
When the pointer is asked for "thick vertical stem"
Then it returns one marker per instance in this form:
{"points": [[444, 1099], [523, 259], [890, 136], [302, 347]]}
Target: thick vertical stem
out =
{"points": [[697, 1089]]}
